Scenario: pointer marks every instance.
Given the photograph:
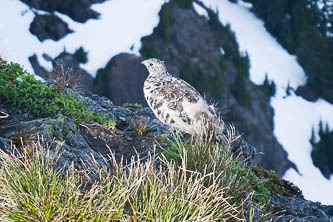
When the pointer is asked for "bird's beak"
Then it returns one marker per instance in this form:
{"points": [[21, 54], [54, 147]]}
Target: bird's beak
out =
{"points": [[144, 62]]}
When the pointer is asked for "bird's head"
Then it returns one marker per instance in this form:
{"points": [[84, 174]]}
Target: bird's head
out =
{"points": [[154, 66]]}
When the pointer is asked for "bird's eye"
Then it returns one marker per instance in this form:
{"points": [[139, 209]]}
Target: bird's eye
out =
{"points": [[151, 64]]}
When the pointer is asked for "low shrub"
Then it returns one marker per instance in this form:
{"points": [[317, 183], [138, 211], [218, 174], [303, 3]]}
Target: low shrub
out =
{"points": [[41, 100]]}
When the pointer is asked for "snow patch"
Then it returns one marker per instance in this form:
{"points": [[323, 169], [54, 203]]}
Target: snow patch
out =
{"points": [[245, 4], [222, 51], [119, 28], [200, 10], [294, 117]]}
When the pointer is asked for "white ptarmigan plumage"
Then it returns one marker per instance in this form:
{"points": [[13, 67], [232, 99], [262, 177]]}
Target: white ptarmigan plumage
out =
{"points": [[175, 102]]}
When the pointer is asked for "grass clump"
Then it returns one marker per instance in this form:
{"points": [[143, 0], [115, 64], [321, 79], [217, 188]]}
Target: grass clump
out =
{"points": [[23, 136], [41, 100], [206, 156], [32, 188], [64, 77], [140, 127]]}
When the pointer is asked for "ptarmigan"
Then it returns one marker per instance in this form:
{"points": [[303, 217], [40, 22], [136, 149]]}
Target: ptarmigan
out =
{"points": [[175, 102]]}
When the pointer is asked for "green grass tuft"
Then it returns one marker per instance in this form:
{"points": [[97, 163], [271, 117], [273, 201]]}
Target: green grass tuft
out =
{"points": [[31, 189], [206, 156]]}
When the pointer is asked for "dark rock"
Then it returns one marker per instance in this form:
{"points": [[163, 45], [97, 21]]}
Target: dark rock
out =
{"points": [[255, 123], [324, 166], [322, 152], [296, 208], [38, 69], [123, 79], [78, 10], [4, 144], [306, 93], [49, 27]]}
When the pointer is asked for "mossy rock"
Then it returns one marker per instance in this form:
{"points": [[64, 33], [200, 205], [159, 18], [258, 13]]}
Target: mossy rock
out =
{"points": [[275, 184]]}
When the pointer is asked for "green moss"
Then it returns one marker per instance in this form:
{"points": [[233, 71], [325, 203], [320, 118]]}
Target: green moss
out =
{"points": [[261, 193], [275, 184], [41, 100]]}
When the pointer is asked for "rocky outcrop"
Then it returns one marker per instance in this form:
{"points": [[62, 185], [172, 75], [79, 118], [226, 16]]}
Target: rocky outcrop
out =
{"points": [[38, 69], [79, 143], [295, 208], [192, 45], [122, 80], [49, 27], [78, 10], [306, 93], [68, 61]]}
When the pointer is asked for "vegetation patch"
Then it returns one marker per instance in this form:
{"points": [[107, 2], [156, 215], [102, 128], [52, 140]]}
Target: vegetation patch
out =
{"points": [[210, 157], [322, 150], [275, 184], [185, 4], [242, 62], [268, 87], [140, 127], [102, 77], [148, 49], [240, 92], [32, 188], [166, 21], [302, 28], [134, 105], [81, 55], [210, 85], [41, 100]]}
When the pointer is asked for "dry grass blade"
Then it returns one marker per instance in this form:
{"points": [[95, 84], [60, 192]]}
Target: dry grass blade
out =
{"points": [[3, 115], [65, 76], [34, 188]]}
